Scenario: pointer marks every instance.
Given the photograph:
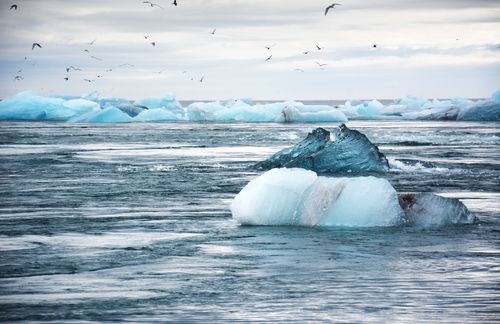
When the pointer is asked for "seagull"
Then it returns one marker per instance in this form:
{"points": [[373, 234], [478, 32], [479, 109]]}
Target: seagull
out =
{"points": [[18, 78], [99, 75], [331, 7], [152, 4], [305, 53], [184, 72], [14, 6], [96, 58], [175, 3], [374, 45], [159, 72], [126, 65], [213, 31], [92, 42], [66, 78], [153, 43], [35, 45], [319, 48], [299, 70], [87, 80], [146, 36], [19, 71], [73, 68], [109, 70], [267, 59], [86, 50], [321, 65], [269, 47], [203, 77]]}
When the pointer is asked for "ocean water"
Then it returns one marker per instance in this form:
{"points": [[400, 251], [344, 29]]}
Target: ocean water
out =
{"points": [[132, 222]]}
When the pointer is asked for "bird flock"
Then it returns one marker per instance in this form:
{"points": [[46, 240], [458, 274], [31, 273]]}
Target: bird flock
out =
{"points": [[153, 43]]}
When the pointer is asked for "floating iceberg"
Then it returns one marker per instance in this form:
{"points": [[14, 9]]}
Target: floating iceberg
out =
{"points": [[108, 115], [343, 150], [430, 210], [29, 106], [301, 197]]}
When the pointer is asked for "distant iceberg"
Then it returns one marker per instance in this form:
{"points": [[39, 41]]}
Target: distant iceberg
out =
{"points": [[302, 198], [92, 108]]}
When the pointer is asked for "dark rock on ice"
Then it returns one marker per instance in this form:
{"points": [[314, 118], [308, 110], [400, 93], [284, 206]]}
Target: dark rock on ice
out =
{"points": [[431, 210], [343, 150]]}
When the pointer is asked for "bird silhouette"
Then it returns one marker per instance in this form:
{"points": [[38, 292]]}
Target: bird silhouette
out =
{"points": [[152, 4], [96, 58], [14, 6], [374, 45], [153, 43], [92, 42], [321, 64], [175, 3], [203, 77], [267, 59], [331, 7], [299, 70], [213, 31], [18, 78], [88, 80], [319, 48], [269, 47], [66, 78], [35, 45], [305, 53]]}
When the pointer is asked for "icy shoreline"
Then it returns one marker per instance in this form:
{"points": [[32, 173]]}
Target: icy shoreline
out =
{"points": [[27, 106]]}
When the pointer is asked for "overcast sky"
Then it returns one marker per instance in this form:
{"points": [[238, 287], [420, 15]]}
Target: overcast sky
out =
{"points": [[428, 48]]}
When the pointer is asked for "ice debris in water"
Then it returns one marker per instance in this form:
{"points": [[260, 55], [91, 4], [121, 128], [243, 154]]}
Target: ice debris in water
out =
{"points": [[301, 197], [29, 106], [349, 151]]}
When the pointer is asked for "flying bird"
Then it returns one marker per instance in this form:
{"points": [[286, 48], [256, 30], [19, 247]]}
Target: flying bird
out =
{"points": [[299, 70], [86, 50], [269, 47], [109, 70], [99, 75], [18, 78], [19, 71], [267, 59], [374, 45], [87, 80], [213, 31], [66, 78], [126, 65], [319, 48], [92, 42], [96, 58], [146, 36], [153, 43], [203, 77], [321, 64], [159, 72], [14, 6], [35, 45], [73, 68], [175, 3], [152, 4], [305, 53], [331, 7]]}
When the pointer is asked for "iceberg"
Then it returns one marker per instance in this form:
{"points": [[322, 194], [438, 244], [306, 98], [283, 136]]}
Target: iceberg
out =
{"points": [[430, 210], [167, 102], [108, 115], [158, 114], [29, 106], [300, 197], [487, 110], [343, 150], [282, 112]]}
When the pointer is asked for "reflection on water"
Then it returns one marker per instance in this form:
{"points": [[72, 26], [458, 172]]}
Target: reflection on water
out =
{"points": [[132, 222]]}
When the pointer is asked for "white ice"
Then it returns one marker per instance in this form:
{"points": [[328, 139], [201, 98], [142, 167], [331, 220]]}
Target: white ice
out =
{"points": [[300, 197]]}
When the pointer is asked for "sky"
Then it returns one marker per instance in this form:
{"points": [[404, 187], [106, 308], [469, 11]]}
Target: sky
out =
{"points": [[427, 48]]}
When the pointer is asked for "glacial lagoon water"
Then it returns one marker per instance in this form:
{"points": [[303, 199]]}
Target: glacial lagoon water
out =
{"points": [[132, 222]]}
